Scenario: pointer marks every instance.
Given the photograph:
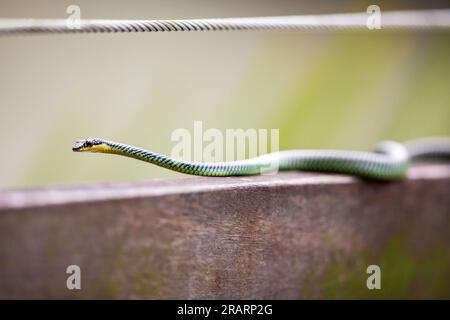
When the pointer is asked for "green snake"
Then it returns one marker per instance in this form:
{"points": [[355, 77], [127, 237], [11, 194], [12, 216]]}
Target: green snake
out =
{"points": [[389, 161]]}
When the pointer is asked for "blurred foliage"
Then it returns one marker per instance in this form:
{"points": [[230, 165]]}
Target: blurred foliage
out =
{"points": [[321, 89]]}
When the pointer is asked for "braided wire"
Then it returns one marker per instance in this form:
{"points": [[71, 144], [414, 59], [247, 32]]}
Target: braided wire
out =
{"points": [[438, 19]]}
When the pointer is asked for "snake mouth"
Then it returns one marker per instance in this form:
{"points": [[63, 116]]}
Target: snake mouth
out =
{"points": [[90, 145], [79, 145]]}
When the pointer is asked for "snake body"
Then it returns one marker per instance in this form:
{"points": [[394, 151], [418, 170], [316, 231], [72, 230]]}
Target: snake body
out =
{"points": [[389, 161]]}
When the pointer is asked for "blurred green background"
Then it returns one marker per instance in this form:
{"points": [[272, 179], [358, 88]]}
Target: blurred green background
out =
{"points": [[321, 89]]}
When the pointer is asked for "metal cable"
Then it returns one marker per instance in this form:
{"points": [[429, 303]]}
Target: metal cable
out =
{"points": [[438, 19]]}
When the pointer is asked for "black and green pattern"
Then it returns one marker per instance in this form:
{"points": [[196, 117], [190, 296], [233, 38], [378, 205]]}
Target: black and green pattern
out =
{"points": [[389, 161]]}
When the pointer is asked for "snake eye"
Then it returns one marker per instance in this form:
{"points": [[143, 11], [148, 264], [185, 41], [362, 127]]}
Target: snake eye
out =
{"points": [[87, 144]]}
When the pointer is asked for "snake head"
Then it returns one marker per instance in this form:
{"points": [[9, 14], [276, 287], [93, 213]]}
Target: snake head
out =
{"points": [[91, 145]]}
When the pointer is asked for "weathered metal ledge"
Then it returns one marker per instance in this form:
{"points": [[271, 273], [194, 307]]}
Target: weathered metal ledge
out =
{"points": [[290, 235]]}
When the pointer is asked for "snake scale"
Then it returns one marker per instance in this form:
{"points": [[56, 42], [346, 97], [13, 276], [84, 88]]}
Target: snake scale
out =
{"points": [[389, 161]]}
